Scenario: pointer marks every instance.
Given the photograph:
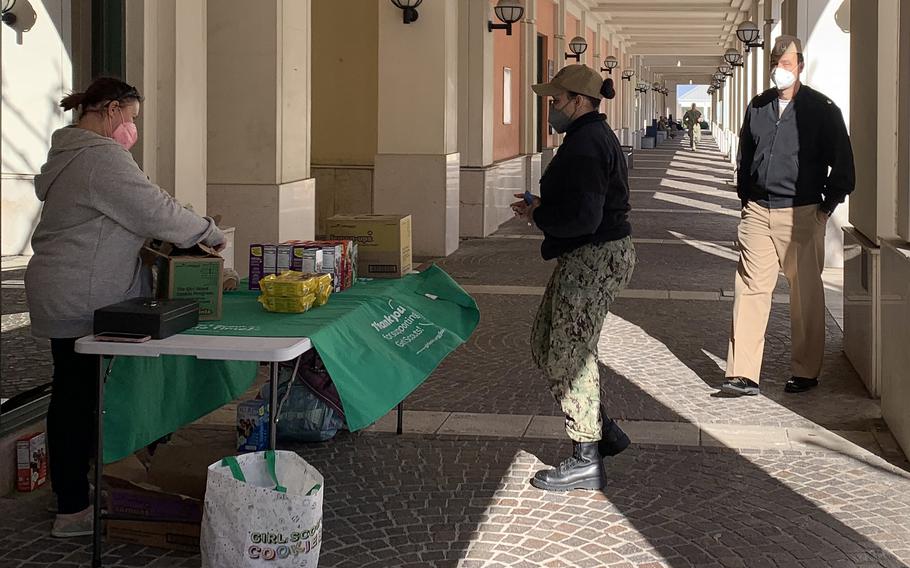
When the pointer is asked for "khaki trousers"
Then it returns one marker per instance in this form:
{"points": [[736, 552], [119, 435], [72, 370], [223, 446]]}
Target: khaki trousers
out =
{"points": [[792, 239]]}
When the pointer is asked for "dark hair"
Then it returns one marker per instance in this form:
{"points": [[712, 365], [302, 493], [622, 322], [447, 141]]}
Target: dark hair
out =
{"points": [[595, 101], [101, 91]]}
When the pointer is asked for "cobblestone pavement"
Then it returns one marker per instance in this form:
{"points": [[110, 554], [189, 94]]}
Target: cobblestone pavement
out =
{"points": [[464, 501], [24, 360]]}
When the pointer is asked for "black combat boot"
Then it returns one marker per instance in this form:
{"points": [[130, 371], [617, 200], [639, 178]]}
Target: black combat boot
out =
{"points": [[584, 470], [612, 439]]}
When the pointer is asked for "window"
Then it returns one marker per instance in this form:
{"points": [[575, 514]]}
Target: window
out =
{"points": [[506, 95]]}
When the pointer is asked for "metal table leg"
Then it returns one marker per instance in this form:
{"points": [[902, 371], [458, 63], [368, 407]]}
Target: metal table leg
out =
{"points": [[273, 404], [400, 418], [99, 460]]}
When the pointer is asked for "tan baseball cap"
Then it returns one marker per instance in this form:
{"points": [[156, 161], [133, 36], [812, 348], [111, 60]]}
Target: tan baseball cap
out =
{"points": [[576, 78], [785, 44]]}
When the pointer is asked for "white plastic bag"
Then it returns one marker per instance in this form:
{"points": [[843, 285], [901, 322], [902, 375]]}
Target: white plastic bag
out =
{"points": [[262, 509]]}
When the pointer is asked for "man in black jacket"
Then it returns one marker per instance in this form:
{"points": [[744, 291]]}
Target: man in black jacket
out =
{"points": [[582, 211], [795, 167]]}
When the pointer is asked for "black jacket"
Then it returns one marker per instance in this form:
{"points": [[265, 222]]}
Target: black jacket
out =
{"points": [[784, 160], [584, 192]]}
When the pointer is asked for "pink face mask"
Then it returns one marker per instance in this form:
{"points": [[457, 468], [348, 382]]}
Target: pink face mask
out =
{"points": [[126, 134]]}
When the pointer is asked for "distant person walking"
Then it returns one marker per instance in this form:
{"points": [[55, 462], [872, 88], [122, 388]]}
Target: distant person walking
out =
{"points": [[692, 122]]}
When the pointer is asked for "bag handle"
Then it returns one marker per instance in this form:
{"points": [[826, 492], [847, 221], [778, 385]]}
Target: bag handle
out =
{"points": [[231, 462], [237, 472], [270, 460]]}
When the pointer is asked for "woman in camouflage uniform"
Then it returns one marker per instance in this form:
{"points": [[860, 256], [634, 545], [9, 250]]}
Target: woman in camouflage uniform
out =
{"points": [[582, 211]]}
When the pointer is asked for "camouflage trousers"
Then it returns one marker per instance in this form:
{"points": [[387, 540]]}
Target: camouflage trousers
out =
{"points": [[568, 325]]}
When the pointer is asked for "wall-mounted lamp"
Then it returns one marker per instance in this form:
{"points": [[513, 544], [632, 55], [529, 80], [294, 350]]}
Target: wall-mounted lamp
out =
{"points": [[577, 46], [627, 75], [9, 18], [508, 12], [409, 9], [610, 63], [748, 33], [726, 70], [719, 77], [734, 57]]}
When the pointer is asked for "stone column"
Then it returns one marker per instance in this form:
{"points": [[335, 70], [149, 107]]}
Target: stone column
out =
{"points": [[259, 120], [166, 56], [529, 65], [755, 54], [561, 36], [475, 113], [418, 163]]}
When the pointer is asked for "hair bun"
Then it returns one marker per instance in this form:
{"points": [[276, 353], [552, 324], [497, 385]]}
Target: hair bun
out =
{"points": [[607, 90]]}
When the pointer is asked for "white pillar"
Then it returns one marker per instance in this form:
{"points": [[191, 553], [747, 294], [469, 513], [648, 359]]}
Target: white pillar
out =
{"points": [[529, 65], [418, 169], [259, 124], [167, 52]]}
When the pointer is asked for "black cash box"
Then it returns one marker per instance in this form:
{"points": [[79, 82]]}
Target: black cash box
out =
{"points": [[147, 316]]}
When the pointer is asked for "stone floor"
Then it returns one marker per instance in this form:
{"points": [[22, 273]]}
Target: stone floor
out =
{"points": [[812, 480]]}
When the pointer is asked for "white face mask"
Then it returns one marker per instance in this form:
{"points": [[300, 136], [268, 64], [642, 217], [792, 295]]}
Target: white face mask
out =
{"points": [[783, 79]]}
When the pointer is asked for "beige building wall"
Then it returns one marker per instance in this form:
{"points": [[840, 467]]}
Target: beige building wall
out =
{"points": [[37, 71], [345, 88], [346, 82]]}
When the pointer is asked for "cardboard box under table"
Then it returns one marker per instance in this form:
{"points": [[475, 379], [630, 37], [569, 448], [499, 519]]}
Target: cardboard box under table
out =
{"points": [[168, 495]]}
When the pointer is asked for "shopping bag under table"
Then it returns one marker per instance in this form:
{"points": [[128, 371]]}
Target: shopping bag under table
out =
{"points": [[262, 509]]}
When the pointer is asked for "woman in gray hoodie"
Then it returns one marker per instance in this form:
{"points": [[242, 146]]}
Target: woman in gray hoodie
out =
{"points": [[99, 209]]}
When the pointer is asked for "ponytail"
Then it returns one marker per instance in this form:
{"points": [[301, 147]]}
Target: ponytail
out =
{"points": [[72, 100]]}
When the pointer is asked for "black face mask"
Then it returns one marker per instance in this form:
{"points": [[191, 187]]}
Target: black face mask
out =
{"points": [[558, 119]]}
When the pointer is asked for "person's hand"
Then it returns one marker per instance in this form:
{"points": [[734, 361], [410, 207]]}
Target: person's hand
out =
{"points": [[822, 215], [220, 246], [523, 209]]}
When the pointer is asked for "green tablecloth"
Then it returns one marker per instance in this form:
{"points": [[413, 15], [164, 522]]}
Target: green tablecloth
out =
{"points": [[379, 340]]}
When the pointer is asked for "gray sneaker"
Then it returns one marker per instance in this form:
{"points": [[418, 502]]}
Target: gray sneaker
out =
{"points": [[74, 524], [739, 386]]}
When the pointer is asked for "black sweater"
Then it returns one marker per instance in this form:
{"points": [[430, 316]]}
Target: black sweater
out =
{"points": [[584, 192], [784, 160]]}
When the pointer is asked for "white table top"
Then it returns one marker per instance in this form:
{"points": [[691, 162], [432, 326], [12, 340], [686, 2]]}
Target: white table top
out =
{"points": [[203, 347]]}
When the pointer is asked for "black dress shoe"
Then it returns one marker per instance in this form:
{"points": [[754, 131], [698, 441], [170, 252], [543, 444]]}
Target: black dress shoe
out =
{"points": [[739, 386], [612, 439], [584, 470], [800, 384]]}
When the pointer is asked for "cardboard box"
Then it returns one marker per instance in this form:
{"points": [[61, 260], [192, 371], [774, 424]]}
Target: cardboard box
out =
{"points": [[31, 462], [173, 487], [252, 426], [383, 241], [173, 536], [193, 274]]}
